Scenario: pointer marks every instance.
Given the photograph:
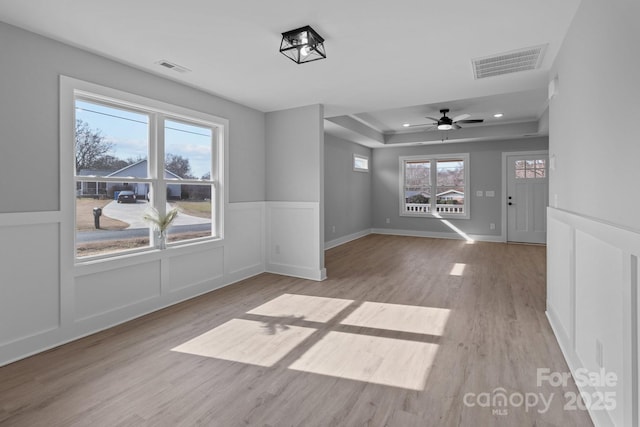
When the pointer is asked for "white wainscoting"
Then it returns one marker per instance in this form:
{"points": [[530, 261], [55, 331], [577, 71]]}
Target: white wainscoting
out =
{"points": [[294, 246], [29, 274], [245, 236], [44, 305], [592, 302]]}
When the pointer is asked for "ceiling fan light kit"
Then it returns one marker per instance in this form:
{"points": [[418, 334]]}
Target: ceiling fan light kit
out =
{"points": [[303, 45], [447, 123]]}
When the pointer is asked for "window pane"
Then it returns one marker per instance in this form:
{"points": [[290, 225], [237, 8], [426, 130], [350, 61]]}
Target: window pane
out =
{"points": [[450, 200], [194, 213], [520, 173], [417, 201], [519, 164], [110, 141], [120, 222], [530, 173], [417, 174], [361, 163], [540, 173], [187, 150], [451, 173], [540, 163]]}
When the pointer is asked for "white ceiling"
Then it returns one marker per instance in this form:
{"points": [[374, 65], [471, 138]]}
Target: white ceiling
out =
{"points": [[382, 55]]}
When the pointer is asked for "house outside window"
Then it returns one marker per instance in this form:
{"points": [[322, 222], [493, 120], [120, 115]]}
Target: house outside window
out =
{"points": [[435, 186], [131, 157]]}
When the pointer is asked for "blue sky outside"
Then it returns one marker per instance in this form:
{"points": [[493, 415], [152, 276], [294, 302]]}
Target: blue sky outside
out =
{"points": [[128, 132]]}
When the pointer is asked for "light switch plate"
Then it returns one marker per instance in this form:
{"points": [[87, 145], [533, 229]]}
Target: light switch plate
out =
{"points": [[479, 193], [490, 193]]}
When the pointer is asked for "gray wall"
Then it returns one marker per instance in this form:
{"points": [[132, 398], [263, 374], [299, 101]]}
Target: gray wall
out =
{"points": [[597, 158], [29, 129], [295, 143], [485, 166], [347, 203]]}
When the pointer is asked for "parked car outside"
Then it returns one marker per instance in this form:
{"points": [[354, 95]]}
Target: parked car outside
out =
{"points": [[126, 197]]}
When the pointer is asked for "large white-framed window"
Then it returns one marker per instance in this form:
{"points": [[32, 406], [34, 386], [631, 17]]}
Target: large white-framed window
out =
{"points": [[435, 186], [132, 154]]}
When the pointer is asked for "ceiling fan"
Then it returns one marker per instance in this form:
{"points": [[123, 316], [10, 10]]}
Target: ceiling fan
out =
{"points": [[448, 123]]}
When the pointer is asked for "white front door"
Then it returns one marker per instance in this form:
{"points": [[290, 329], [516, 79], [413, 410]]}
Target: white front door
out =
{"points": [[527, 198]]}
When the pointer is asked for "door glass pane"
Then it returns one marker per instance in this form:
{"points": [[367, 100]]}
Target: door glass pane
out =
{"points": [[110, 141], [187, 150], [530, 168]]}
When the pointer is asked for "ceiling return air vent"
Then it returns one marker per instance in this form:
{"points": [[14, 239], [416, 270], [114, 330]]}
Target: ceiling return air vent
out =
{"points": [[172, 66], [509, 62]]}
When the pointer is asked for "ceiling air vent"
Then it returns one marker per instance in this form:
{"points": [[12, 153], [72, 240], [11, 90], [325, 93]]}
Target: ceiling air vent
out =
{"points": [[508, 62], [173, 66]]}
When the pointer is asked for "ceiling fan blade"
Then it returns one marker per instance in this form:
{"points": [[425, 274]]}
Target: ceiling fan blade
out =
{"points": [[470, 121], [431, 118], [461, 117], [456, 126], [419, 125]]}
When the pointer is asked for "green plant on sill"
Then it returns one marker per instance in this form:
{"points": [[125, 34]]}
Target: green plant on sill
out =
{"points": [[160, 223]]}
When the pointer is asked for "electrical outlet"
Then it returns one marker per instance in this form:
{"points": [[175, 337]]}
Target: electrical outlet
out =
{"points": [[333, 228], [388, 220], [277, 248], [492, 226]]}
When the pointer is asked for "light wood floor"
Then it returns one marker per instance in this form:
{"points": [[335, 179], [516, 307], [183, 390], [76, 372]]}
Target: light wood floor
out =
{"points": [[400, 333]]}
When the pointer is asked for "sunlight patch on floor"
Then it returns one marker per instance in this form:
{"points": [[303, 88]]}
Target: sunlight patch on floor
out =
{"points": [[378, 360], [246, 341], [399, 317], [457, 269], [311, 308]]}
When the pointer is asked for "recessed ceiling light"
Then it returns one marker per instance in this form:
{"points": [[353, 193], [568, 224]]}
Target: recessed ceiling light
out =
{"points": [[498, 115], [406, 125]]}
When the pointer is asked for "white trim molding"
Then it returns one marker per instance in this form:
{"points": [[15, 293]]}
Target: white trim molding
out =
{"points": [[346, 239], [592, 306]]}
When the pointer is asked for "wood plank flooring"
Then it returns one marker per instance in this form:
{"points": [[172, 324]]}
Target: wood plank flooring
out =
{"points": [[403, 332]]}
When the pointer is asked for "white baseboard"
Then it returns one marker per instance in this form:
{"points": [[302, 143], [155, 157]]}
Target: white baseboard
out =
{"points": [[345, 239], [294, 271], [600, 418], [436, 235]]}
